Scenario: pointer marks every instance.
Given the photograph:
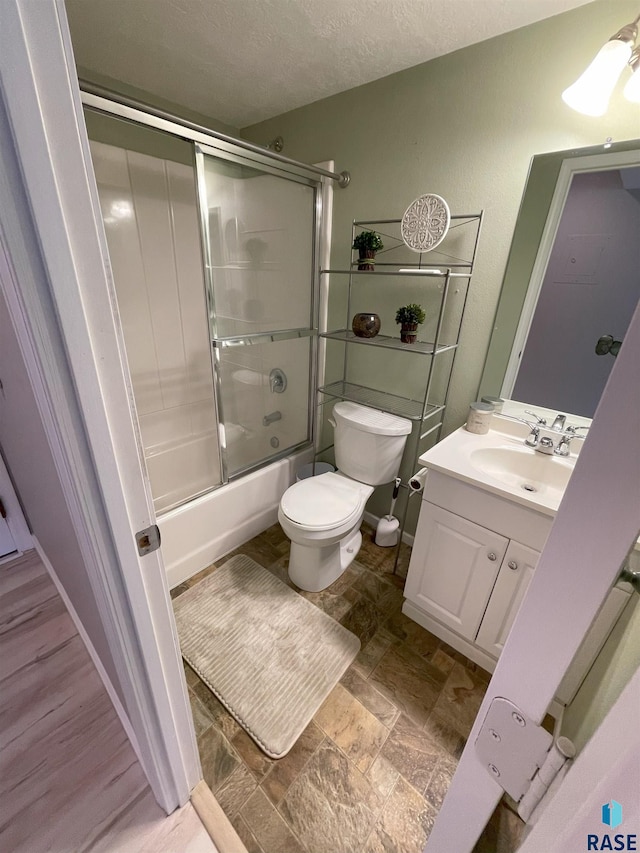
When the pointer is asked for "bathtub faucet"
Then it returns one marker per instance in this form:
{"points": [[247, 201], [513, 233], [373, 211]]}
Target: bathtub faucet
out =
{"points": [[269, 419]]}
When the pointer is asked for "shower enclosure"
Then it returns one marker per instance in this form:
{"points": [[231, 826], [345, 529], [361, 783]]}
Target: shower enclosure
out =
{"points": [[213, 254]]}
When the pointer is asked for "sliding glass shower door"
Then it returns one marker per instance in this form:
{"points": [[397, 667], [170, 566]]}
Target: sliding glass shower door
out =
{"points": [[213, 259], [259, 227]]}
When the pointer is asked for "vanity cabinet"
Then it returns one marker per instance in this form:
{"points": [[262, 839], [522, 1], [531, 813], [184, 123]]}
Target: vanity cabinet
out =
{"points": [[454, 565], [469, 574], [467, 577]]}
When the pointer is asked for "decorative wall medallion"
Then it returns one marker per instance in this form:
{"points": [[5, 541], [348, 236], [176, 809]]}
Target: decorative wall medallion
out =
{"points": [[425, 223]]}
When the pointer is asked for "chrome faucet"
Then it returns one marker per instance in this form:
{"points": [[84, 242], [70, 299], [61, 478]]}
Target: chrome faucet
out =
{"points": [[534, 436], [540, 421], [545, 443], [564, 445]]}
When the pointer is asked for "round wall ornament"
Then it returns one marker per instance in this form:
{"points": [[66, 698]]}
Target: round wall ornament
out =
{"points": [[425, 223]]}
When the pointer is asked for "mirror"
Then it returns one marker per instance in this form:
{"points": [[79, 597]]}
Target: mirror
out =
{"points": [[573, 285]]}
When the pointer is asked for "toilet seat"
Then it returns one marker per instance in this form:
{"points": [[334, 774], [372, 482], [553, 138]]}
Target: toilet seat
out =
{"points": [[324, 502]]}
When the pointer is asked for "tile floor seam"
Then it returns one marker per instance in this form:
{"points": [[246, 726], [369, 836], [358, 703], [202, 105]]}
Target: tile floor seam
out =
{"points": [[350, 760], [302, 769], [281, 816], [307, 762]]}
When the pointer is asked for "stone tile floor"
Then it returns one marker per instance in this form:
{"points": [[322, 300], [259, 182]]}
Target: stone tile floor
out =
{"points": [[370, 771]]}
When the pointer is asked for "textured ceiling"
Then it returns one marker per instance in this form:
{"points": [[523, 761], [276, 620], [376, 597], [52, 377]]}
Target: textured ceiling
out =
{"points": [[242, 61]]}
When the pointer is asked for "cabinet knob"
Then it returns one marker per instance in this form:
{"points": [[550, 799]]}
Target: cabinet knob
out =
{"points": [[493, 557], [512, 565]]}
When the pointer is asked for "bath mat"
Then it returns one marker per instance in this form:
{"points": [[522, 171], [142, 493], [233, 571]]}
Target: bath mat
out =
{"points": [[269, 655]]}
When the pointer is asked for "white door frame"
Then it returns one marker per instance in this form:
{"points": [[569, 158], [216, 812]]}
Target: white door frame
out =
{"points": [[53, 305], [570, 167], [579, 564], [15, 519]]}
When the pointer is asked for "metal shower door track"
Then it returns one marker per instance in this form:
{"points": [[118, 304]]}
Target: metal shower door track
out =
{"points": [[114, 103]]}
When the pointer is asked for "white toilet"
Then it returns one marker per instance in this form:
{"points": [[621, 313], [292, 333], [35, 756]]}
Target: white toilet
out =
{"points": [[322, 515]]}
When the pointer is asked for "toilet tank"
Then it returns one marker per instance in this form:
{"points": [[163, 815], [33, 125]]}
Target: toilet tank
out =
{"points": [[368, 444]]}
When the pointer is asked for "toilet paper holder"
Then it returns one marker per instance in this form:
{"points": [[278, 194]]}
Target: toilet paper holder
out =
{"points": [[417, 481]]}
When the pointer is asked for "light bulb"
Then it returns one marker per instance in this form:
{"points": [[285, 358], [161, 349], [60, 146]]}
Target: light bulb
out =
{"points": [[632, 90], [591, 92]]}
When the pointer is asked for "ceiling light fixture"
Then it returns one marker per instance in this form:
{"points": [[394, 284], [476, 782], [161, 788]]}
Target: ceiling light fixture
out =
{"points": [[591, 92]]}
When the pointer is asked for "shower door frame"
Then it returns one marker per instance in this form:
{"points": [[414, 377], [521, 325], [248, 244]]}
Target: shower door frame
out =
{"points": [[314, 176], [223, 150]]}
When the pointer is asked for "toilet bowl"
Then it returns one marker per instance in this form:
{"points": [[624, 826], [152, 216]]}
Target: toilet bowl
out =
{"points": [[322, 515]]}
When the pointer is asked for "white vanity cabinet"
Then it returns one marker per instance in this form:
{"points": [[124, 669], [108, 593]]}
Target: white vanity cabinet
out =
{"points": [[473, 558], [454, 565]]}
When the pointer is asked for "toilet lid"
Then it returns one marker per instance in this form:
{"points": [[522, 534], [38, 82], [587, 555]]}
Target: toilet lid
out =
{"points": [[320, 503]]}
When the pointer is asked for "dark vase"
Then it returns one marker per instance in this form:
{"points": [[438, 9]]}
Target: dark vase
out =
{"points": [[408, 333], [366, 325], [365, 261]]}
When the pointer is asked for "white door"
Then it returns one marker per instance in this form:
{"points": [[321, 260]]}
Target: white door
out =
{"points": [[453, 572], [50, 163], [588, 543]]}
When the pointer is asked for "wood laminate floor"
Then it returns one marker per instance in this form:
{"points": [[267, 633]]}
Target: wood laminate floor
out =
{"points": [[369, 773], [69, 779]]}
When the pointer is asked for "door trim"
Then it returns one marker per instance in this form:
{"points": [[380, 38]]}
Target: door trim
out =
{"points": [[570, 166]]}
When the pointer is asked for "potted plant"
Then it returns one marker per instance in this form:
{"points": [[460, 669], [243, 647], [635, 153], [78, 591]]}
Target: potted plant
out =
{"points": [[409, 316], [367, 243]]}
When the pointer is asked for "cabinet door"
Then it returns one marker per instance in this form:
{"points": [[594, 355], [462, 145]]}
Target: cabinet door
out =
{"points": [[453, 567], [513, 579]]}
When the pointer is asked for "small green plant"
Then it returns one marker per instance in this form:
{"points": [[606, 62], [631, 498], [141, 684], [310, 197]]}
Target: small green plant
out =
{"points": [[410, 314], [368, 240]]}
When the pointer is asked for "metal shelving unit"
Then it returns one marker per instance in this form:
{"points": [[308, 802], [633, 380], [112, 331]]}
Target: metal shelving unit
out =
{"points": [[435, 269]]}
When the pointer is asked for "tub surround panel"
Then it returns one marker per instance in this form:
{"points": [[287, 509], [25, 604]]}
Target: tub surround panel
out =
{"points": [[195, 535], [151, 221]]}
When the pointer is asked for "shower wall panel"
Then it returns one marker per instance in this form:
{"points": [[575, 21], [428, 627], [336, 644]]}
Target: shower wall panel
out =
{"points": [[151, 220]]}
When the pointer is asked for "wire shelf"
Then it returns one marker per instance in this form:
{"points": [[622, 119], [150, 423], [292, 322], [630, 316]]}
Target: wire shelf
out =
{"points": [[386, 342], [392, 403]]}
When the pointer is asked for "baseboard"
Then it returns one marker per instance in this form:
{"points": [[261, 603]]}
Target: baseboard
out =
{"points": [[106, 681], [373, 520]]}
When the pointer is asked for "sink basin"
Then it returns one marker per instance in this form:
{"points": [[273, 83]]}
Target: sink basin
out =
{"points": [[520, 468]]}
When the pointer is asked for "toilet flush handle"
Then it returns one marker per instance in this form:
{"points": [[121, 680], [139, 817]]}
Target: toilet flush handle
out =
{"points": [[332, 422]]}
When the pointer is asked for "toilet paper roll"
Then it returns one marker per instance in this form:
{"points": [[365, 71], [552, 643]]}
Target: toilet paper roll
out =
{"points": [[416, 483]]}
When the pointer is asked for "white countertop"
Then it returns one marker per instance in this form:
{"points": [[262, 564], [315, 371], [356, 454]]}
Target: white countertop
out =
{"points": [[456, 456]]}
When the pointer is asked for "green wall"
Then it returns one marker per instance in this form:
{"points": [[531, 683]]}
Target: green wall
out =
{"points": [[464, 126]]}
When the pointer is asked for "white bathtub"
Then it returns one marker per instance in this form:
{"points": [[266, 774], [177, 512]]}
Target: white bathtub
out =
{"points": [[198, 533]]}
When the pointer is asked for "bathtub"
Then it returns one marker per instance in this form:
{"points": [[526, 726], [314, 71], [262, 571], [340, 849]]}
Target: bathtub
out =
{"points": [[199, 532]]}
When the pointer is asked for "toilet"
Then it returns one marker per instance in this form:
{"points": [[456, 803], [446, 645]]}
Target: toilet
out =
{"points": [[322, 515]]}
